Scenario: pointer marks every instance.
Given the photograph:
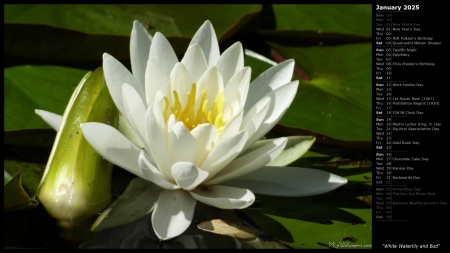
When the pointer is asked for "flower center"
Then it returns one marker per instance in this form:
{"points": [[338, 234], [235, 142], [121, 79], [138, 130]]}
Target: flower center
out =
{"points": [[195, 112]]}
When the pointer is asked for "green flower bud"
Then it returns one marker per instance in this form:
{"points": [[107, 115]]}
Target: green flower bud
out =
{"points": [[76, 184]]}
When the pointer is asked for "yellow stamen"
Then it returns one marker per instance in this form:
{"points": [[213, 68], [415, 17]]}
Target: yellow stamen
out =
{"points": [[191, 117]]}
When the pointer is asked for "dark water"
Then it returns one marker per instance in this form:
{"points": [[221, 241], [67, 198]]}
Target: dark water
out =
{"points": [[33, 228], [139, 235]]}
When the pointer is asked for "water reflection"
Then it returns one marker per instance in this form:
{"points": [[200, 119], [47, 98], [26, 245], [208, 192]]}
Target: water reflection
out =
{"points": [[139, 235]]}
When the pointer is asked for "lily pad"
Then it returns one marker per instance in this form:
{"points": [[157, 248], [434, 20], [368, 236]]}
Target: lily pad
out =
{"points": [[30, 174], [36, 87], [173, 20], [40, 33], [353, 19], [15, 196], [129, 206], [312, 221], [28, 145]]}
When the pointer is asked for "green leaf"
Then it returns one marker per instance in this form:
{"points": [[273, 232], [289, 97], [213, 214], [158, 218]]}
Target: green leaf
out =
{"points": [[15, 197], [311, 38], [25, 153], [173, 20], [47, 45], [36, 87], [312, 235], [31, 173], [29, 145], [129, 206], [310, 221], [43, 33], [353, 19], [337, 100]]}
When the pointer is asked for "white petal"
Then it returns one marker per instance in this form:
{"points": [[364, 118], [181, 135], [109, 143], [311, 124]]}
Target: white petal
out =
{"points": [[206, 136], [134, 108], [162, 52], [173, 213], [181, 82], [152, 174], [224, 197], [233, 126], [295, 148], [255, 117], [52, 119], [156, 79], [182, 145], [115, 76], [136, 201], [140, 42], [156, 139], [238, 86], [158, 111], [289, 181], [268, 81], [223, 152], [260, 57], [195, 62], [128, 131], [207, 39], [232, 110], [281, 99], [231, 61], [171, 122], [187, 175], [113, 146], [251, 161], [211, 82]]}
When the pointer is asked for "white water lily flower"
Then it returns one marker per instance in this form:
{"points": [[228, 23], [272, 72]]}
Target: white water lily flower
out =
{"points": [[192, 127]]}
